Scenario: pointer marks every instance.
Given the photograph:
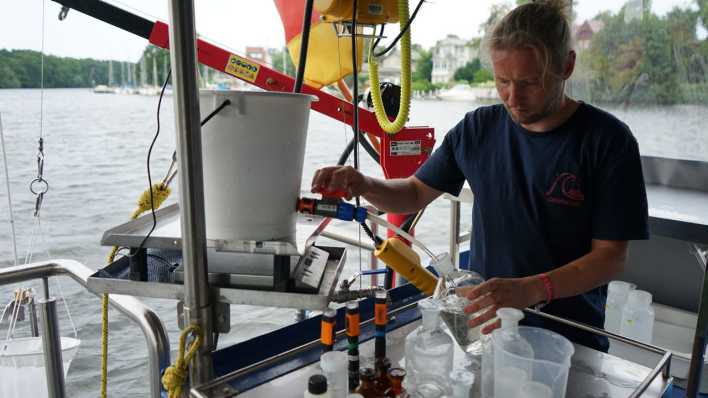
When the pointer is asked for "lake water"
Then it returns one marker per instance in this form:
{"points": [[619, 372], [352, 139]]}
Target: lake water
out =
{"points": [[95, 148]]}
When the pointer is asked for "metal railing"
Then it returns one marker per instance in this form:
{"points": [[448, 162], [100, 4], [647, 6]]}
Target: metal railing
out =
{"points": [[156, 338]]}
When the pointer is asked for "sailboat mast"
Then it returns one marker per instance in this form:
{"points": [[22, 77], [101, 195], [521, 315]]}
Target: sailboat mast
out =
{"points": [[110, 73]]}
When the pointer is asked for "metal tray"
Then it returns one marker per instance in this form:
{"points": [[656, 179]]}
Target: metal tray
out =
{"points": [[168, 235], [162, 283]]}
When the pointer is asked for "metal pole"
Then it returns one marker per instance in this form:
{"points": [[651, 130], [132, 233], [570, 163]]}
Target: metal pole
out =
{"points": [[454, 231], [699, 342], [197, 308], [51, 343]]}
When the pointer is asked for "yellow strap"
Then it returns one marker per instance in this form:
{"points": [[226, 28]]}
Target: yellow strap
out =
{"points": [[160, 192], [175, 376]]}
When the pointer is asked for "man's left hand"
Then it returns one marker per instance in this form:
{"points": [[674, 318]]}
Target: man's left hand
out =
{"points": [[497, 293]]}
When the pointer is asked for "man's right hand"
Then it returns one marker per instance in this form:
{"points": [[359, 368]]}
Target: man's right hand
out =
{"points": [[340, 178]]}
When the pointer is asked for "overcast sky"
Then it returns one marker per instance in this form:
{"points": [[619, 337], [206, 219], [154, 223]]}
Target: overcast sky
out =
{"points": [[231, 23]]}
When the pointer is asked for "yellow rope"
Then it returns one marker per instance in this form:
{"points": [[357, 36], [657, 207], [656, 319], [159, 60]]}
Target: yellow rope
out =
{"points": [[175, 376], [160, 192]]}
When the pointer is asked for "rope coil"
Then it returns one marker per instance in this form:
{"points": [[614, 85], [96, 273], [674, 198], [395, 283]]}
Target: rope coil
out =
{"points": [[175, 376]]}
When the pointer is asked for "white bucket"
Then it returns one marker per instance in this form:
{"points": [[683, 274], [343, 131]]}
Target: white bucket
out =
{"points": [[253, 152], [22, 371]]}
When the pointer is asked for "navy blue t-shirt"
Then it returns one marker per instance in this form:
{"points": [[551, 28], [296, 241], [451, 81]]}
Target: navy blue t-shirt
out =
{"points": [[541, 198]]}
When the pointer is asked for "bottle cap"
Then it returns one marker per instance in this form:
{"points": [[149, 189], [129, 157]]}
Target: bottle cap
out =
{"points": [[639, 298], [430, 310], [619, 287], [510, 317], [317, 384]]}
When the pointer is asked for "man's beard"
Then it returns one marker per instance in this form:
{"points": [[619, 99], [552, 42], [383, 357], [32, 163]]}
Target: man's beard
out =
{"points": [[550, 107]]}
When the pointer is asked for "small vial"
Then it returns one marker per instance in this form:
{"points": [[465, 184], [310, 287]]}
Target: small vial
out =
{"points": [[396, 376], [367, 385]]}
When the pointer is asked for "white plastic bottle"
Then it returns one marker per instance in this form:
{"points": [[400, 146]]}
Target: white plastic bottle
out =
{"points": [[617, 293], [334, 366], [429, 354], [317, 387], [510, 318], [638, 317]]}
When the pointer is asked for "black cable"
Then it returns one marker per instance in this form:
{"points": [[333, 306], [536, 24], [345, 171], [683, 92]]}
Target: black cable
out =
{"points": [[152, 144], [402, 32], [304, 43], [215, 111], [378, 39], [209, 116], [350, 147]]}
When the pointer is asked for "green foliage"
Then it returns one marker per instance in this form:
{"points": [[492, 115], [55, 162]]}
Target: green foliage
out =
{"points": [[422, 85], [467, 72], [281, 57], [645, 59], [424, 67], [703, 11], [22, 69], [483, 76]]}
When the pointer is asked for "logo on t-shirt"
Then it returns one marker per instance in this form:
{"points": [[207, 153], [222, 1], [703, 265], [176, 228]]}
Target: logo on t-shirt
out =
{"points": [[566, 190]]}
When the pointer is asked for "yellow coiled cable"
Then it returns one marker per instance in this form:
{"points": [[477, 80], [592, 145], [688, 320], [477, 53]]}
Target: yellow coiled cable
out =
{"points": [[402, 117]]}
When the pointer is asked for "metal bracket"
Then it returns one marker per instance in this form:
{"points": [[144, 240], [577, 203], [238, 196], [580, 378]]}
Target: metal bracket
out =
{"points": [[222, 316]]}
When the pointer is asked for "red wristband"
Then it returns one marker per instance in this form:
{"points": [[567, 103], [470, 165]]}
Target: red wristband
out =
{"points": [[548, 285]]}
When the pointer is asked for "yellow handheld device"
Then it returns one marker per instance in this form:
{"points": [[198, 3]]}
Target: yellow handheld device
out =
{"points": [[402, 259]]}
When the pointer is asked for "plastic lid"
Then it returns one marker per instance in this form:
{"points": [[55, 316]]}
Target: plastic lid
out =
{"points": [[430, 310], [333, 361], [639, 298], [510, 317], [317, 384], [355, 395], [619, 287]]}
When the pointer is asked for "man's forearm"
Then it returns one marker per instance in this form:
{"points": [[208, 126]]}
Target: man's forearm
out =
{"points": [[594, 269], [398, 195]]}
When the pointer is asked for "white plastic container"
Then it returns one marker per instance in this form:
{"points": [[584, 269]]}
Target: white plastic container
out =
{"points": [[617, 293], [253, 154], [516, 363], [638, 317], [334, 367], [22, 371]]}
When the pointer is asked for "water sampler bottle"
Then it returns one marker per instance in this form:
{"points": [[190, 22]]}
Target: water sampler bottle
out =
{"points": [[617, 293], [429, 354], [638, 317]]}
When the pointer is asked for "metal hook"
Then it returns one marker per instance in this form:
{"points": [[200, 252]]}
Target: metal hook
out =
{"points": [[63, 13]]}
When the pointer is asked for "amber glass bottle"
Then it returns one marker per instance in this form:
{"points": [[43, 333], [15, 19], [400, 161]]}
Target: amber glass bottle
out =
{"points": [[396, 376], [381, 370], [367, 384]]}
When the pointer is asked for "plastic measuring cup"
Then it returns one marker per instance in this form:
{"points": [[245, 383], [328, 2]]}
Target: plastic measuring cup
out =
{"points": [[548, 363]]}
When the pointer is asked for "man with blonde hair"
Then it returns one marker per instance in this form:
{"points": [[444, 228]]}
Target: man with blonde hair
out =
{"points": [[557, 183]]}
